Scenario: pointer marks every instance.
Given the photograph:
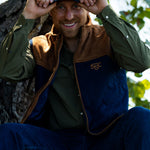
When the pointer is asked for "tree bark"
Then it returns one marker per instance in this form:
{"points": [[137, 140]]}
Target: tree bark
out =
{"points": [[9, 13]]}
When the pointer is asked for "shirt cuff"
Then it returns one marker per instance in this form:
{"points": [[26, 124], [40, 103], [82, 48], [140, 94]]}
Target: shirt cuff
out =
{"points": [[108, 14]]}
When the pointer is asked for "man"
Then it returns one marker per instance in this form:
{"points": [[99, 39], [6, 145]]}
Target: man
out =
{"points": [[81, 99]]}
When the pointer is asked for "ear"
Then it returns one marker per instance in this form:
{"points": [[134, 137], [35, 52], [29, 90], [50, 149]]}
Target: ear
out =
{"points": [[50, 13]]}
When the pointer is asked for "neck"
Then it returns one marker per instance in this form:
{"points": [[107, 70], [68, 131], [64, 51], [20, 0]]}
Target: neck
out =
{"points": [[71, 43]]}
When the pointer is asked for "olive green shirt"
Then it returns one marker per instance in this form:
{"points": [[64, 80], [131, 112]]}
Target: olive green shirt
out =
{"points": [[65, 105], [17, 63]]}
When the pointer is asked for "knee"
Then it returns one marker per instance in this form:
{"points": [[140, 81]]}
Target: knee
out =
{"points": [[4, 129], [140, 113], [136, 128], [8, 134], [7, 130], [140, 119]]}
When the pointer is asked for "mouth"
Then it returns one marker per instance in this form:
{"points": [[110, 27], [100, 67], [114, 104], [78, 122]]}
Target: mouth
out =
{"points": [[69, 25]]}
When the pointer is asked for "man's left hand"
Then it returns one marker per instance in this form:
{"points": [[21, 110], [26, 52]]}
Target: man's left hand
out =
{"points": [[94, 6]]}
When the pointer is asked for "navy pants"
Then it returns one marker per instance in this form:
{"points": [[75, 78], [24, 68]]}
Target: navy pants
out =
{"points": [[131, 132]]}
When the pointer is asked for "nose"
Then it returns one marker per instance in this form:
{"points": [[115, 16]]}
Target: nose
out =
{"points": [[69, 14]]}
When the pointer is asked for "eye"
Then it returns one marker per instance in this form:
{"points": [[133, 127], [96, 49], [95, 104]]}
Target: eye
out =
{"points": [[60, 7], [76, 6]]}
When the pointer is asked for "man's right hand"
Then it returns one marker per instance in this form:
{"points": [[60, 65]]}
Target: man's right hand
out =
{"points": [[37, 8]]}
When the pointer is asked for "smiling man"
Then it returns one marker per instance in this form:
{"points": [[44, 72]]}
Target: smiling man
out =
{"points": [[81, 94], [68, 18]]}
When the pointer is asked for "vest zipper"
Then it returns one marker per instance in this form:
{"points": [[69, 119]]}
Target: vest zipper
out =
{"points": [[87, 124]]}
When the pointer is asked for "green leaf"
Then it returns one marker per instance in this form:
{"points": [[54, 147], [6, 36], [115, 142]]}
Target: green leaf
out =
{"points": [[146, 84], [138, 75], [124, 15], [141, 13], [136, 90], [134, 3], [144, 13], [147, 13], [99, 21], [139, 90], [142, 102], [133, 21], [140, 23]]}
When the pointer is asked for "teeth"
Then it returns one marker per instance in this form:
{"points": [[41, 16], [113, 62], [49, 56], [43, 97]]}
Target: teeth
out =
{"points": [[69, 25]]}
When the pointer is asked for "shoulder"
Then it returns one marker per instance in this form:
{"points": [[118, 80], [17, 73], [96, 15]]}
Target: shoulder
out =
{"points": [[40, 45], [40, 41], [97, 31]]}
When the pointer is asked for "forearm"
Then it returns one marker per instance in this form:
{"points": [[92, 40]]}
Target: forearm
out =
{"points": [[129, 51], [16, 60]]}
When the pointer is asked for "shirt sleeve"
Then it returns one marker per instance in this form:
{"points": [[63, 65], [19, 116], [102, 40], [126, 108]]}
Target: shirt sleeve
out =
{"points": [[16, 59], [129, 51]]}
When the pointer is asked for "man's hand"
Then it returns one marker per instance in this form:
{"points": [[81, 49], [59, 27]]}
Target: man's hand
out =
{"points": [[94, 6], [37, 8]]}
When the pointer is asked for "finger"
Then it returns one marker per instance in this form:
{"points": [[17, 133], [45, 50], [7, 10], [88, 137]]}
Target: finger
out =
{"points": [[81, 1], [41, 3], [94, 1], [83, 6], [91, 2], [46, 3], [37, 1], [50, 7], [86, 3], [51, 1]]}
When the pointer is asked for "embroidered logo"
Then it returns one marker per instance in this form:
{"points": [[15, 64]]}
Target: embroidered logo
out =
{"points": [[96, 66]]}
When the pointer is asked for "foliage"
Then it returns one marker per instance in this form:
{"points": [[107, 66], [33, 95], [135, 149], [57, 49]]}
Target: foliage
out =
{"points": [[136, 14], [137, 91]]}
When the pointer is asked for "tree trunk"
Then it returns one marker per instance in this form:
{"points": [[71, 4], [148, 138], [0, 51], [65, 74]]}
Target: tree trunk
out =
{"points": [[9, 13]]}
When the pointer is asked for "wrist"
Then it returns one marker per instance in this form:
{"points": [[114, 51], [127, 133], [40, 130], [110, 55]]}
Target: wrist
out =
{"points": [[99, 15], [28, 15], [101, 9]]}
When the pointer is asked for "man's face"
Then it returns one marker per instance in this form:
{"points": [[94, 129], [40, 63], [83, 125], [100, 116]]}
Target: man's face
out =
{"points": [[68, 17]]}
